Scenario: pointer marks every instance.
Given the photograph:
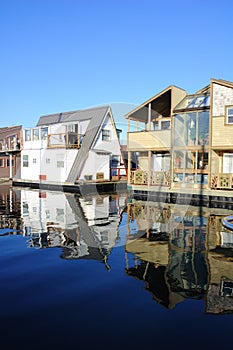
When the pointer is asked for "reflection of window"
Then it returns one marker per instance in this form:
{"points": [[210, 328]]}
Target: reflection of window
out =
{"points": [[25, 160], [229, 115], [226, 289], [105, 135], [60, 164], [60, 214]]}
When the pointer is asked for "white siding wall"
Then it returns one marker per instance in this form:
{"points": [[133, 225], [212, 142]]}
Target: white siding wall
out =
{"points": [[96, 163], [113, 145], [46, 164], [222, 96]]}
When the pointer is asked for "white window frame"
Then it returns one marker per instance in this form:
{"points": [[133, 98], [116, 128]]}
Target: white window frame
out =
{"points": [[229, 114], [106, 135]]}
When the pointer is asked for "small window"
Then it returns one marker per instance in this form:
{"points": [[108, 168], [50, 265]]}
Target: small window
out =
{"points": [[60, 164], [230, 115], [25, 160], [44, 133], [35, 134], [165, 125], [1, 163], [106, 135], [34, 160], [12, 162], [28, 135]]}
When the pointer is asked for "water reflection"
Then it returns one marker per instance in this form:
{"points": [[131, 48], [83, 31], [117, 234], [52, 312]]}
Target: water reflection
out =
{"points": [[180, 253], [83, 227]]}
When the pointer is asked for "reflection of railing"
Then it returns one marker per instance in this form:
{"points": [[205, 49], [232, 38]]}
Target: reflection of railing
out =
{"points": [[158, 178], [118, 173], [65, 140], [222, 181]]}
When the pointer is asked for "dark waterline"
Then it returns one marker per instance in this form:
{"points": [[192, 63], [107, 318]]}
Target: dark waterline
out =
{"points": [[105, 272]]}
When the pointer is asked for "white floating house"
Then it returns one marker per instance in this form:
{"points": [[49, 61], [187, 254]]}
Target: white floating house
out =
{"points": [[73, 147]]}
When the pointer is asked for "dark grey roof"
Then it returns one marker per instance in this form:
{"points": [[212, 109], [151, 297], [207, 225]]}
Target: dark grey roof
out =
{"points": [[65, 117], [97, 116]]}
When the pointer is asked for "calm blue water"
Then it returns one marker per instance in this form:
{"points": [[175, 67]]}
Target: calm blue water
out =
{"points": [[105, 272]]}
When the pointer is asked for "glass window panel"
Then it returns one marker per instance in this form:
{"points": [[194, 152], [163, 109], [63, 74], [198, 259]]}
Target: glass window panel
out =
{"points": [[191, 129], [179, 130], [35, 134], [178, 160], [203, 128], [201, 179], [165, 125], [27, 135], [44, 133], [190, 160]]}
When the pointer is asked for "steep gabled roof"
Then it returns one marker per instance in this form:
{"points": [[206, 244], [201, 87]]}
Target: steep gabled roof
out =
{"points": [[96, 116], [66, 117]]}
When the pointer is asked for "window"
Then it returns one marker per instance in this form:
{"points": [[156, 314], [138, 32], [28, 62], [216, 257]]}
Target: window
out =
{"points": [[228, 163], [106, 135], [25, 160], [229, 115], [28, 135], [72, 128], [44, 133], [34, 160], [1, 163], [60, 164], [165, 125], [35, 134], [12, 162]]}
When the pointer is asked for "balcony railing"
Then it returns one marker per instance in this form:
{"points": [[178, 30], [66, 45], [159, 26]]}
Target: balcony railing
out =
{"points": [[6, 147], [158, 178], [65, 140], [222, 181]]}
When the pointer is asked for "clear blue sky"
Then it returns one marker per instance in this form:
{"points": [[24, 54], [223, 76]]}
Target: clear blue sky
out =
{"points": [[63, 55]]}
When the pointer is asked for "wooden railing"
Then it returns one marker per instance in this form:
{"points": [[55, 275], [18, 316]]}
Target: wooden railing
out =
{"points": [[158, 178], [222, 181], [65, 140]]}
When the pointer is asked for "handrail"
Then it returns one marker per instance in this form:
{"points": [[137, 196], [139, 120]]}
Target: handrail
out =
{"points": [[226, 222]]}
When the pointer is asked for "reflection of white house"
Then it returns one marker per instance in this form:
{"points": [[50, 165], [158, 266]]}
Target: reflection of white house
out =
{"points": [[82, 227], [72, 146], [103, 215]]}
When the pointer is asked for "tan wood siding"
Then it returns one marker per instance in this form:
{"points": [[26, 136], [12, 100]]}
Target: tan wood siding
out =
{"points": [[152, 140], [222, 134]]}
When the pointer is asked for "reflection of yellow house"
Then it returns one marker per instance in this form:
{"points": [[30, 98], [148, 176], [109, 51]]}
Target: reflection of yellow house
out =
{"points": [[183, 140], [156, 252], [220, 290]]}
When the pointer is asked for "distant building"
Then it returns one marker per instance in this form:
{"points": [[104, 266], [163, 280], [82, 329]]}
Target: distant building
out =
{"points": [[10, 147], [70, 147]]}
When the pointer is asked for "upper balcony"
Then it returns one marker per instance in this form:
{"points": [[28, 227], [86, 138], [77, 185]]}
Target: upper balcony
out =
{"points": [[159, 140], [65, 140]]}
